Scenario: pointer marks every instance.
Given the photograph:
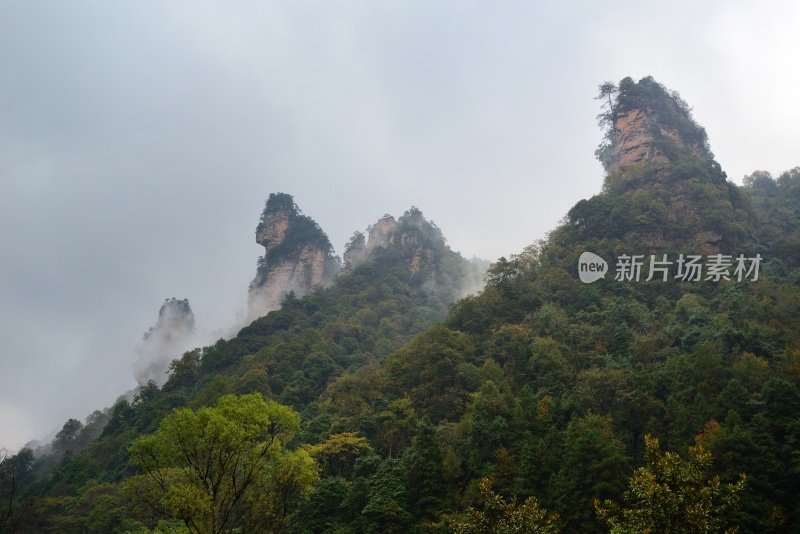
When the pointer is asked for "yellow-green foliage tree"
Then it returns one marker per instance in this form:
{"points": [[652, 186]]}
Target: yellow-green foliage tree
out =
{"points": [[223, 468], [673, 495], [339, 452], [495, 515]]}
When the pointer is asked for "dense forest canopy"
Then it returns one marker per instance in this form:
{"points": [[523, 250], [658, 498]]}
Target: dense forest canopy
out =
{"points": [[386, 404]]}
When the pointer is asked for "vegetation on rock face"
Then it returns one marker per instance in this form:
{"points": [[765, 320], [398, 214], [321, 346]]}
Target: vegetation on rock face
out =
{"points": [[540, 405], [302, 232], [664, 111]]}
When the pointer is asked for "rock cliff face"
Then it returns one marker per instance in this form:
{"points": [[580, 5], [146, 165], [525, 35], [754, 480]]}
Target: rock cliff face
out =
{"points": [[633, 142], [662, 184], [651, 127], [355, 252], [418, 237], [636, 140], [271, 231], [381, 234], [297, 256], [412, 236]]}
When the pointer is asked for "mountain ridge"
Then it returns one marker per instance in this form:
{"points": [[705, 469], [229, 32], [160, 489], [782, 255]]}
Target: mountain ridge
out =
{"points": [[540, 386]]}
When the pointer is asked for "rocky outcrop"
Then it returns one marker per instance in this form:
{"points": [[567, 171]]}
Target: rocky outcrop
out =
{"points": [[272, 229], [307, 268], [297, 256], [355, 252], [639, 138], [633, 141], [663, 182], [381, 234], [418, 238], [165, 341], [413, 237], [648, 124]]}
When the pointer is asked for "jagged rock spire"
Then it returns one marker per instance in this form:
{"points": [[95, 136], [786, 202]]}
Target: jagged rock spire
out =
{"points": [[297, 256], [647, 123]]}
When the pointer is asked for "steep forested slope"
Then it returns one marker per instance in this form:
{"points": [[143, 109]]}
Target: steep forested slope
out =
{"points": [[541, 387]]}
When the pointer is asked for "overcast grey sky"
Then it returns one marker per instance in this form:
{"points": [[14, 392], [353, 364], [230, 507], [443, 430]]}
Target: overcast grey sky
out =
{"points": [[139, 140]]}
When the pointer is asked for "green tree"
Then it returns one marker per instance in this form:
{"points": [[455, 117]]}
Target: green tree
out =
{"points": [[430, 370], [222, 467], [184, 371], [395, 426], [15, 475], [339, 452], [673, 495], [606, 94], [495, 515], [386, 510], [67, 438], [593, 465], [427, 488]]}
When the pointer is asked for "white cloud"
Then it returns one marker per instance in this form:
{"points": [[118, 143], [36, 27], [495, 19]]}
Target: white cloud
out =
{"points": [[16, 429]]}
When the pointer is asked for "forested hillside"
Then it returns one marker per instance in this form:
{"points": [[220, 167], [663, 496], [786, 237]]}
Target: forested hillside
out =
{"points": [[653, 403]]}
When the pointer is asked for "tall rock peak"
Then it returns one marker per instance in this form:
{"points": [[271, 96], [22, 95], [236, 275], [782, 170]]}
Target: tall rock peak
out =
{"points": [[412, 236], [355, 252], [172, 334], [416, 244], [297, 256], [279, 210], [663, 190], [646, 123], [381, 234], [419, 238]]}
